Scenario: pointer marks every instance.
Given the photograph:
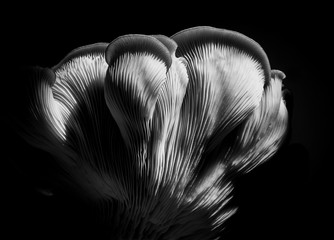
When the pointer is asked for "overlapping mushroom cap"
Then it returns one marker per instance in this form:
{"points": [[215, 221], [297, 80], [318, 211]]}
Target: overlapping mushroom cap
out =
{"points": [[151, 126]]}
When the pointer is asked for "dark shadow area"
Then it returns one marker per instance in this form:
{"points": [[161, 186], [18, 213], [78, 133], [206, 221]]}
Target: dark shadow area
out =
{"points": [[273, 200]]}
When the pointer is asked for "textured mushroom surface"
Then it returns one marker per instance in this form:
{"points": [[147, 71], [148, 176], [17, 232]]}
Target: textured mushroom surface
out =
{"points": [[151, 129]]}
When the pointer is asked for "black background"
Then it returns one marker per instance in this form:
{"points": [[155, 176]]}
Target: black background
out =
{"points": [[287, 197]]}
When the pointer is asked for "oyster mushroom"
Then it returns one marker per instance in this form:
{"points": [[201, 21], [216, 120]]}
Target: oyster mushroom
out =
{"points": [[152, 128]]}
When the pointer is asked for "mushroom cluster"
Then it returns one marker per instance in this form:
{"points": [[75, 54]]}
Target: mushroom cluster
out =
{"points": [[152, 128]]}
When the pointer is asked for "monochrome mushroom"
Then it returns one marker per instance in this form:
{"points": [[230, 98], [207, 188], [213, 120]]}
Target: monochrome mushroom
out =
{"points": [[151, 129]]}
